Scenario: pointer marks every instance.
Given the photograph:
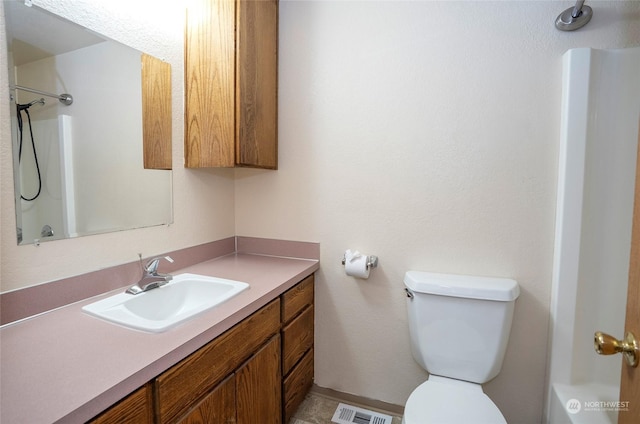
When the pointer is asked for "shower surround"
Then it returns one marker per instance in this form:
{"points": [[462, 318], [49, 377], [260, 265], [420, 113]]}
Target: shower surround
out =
{"points": [[601, 107]]}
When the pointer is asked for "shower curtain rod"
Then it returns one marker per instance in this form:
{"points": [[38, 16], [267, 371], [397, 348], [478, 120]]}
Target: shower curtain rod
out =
{"points": [[64, 98]]}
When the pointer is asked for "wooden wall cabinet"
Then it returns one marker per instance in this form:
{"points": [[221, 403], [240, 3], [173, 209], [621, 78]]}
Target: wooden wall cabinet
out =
{"points": [[231, 78]]}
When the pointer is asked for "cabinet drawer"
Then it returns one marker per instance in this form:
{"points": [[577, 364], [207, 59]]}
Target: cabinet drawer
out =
{"points": [[297, 338], [297, 298], [182, 386], [297, 384], [135, 408]]}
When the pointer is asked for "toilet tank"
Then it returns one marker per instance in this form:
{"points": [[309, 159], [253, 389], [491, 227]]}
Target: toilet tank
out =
{"points": [[459, 325]]}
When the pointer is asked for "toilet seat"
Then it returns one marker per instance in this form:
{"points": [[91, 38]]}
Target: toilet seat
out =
{"points": [[442, 400]]}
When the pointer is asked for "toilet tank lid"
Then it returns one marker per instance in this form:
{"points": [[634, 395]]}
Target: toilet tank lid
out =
{"points": [[472, 287]]}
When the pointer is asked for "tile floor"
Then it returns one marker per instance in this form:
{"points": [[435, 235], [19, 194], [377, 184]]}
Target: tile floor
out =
{"points": [[318, 409]]}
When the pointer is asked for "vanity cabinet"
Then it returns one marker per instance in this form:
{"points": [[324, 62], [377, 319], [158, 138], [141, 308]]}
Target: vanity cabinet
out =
{"points": [[231, 64], [248, 395], [190, 383], [259, 371]]}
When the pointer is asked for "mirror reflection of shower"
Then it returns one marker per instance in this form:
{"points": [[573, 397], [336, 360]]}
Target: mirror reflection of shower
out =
{"points": [[83, 145], [64, 98], [20, 110], [39, 139]]}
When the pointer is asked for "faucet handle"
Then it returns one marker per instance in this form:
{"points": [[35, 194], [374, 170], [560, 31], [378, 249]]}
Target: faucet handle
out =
{"points": [[152, 265]]}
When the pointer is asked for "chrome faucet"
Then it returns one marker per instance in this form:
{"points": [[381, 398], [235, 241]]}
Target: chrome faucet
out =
{"points": [[151, 279]]}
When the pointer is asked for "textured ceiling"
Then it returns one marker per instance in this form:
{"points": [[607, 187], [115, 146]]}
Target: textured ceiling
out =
{"points": [[34, 34]]}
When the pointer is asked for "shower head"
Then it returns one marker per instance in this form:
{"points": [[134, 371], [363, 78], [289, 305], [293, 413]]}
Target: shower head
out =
{"points": [[34, 102], [575, 17], [31, 103]]}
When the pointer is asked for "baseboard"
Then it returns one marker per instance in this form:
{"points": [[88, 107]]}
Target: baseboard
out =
{"points": [[376, 405]]}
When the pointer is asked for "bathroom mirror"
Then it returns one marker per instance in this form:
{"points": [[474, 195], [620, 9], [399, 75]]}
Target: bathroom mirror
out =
{"points": [[78, 118]]}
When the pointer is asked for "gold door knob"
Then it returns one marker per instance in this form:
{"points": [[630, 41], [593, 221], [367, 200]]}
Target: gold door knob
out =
{"points": [[605, 344]]}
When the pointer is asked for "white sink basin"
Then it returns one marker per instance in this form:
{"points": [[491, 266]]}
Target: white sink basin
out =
{"points": [[159, 309]]}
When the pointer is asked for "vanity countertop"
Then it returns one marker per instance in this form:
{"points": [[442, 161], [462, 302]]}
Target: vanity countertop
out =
{"points": [[68, 366]]}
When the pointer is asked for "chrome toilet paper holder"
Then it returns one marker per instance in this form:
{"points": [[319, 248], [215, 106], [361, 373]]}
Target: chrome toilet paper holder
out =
{"points": [[372, 261]]}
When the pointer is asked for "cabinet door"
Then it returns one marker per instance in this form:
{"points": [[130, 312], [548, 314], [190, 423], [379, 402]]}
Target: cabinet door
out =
{"points": [[231, 84], [257, 84], [258, 385], [135, 409], [209, 84], [183, 385], [218, 407]]}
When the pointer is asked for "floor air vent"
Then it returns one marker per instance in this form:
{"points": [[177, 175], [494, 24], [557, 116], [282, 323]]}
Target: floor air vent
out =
{"points": [[347, 414]]}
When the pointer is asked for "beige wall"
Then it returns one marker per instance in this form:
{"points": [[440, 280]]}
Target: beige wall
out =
{"points": [[203, 199], [425, 133]]}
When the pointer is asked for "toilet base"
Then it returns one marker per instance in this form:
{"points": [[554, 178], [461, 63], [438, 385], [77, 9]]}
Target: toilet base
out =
{"points": [[444, 400]]}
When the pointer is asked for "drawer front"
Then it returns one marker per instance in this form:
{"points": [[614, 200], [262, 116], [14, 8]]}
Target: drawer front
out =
{"points": [[297, 298], [297, 338], [179, 388], [297, 384]]}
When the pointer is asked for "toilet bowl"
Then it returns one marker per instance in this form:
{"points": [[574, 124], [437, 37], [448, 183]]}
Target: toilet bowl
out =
{"points": [[442, 400], [459, 328]]}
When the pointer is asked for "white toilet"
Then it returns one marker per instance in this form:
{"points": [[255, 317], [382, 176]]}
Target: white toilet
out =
{"points": [[459, 328]]}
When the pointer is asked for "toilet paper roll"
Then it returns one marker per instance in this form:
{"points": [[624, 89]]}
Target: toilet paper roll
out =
{"points": [[356, 264]]}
